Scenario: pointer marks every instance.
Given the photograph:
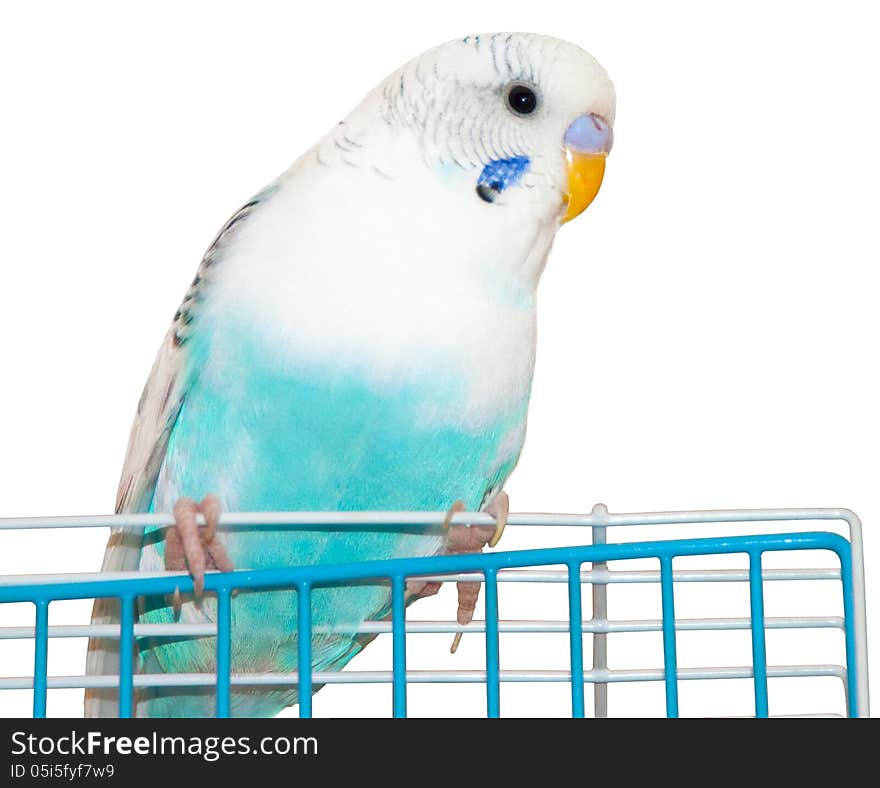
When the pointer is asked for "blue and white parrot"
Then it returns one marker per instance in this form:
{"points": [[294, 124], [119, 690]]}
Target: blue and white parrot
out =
{"points": [[360, 335]]}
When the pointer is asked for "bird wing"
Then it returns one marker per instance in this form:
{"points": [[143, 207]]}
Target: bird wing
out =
{"points": [[157, 411], [163, 396]]}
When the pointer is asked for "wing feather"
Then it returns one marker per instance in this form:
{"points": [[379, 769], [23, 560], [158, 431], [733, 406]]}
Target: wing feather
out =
{"points": [[157, 412]]}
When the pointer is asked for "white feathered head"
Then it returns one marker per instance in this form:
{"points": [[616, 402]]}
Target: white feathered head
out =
{"points": [[516, 118]]}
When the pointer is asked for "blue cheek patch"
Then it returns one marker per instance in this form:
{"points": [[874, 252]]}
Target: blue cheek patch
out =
{"points": [[497, 175]]}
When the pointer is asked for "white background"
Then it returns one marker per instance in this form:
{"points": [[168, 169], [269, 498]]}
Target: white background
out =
{"points": [[708, 329]]}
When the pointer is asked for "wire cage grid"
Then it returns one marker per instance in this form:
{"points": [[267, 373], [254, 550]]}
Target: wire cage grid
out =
{"points": [[491, 568]]}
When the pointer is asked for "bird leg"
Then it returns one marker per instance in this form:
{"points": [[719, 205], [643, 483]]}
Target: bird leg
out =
{"points": [[189, 545]]}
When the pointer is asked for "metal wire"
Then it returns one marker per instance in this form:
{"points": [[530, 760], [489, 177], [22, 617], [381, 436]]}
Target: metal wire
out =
{"points": [[505, 626], [527, 566]]}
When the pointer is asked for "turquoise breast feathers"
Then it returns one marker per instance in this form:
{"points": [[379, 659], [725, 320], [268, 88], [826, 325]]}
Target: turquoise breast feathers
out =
{"points": [[265, 437]]}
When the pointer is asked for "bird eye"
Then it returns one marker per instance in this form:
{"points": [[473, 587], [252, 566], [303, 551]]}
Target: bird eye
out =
{"points": [[522, 100]]}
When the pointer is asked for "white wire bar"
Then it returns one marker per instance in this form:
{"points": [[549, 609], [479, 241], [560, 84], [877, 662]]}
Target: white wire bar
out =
{"points": [[424, 677]]}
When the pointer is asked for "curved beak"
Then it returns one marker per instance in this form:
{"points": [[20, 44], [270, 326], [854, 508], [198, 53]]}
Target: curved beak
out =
{"points": [[586, 144]]}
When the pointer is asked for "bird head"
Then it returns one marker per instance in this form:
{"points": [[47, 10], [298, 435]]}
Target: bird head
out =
{"points": [[518, 122]]}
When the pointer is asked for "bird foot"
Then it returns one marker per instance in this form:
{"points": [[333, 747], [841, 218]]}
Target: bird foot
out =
{"points": [[472, 539], [463, 539], [189, 545]]}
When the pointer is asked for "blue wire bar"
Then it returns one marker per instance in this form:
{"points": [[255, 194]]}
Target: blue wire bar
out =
{"points": [[670, 663], [576, 636], [41, 654], [126, 654], [759, 650], [304, 647], [41, 592], [398, 629], [493, 682], [846, 577], [224, 649]]}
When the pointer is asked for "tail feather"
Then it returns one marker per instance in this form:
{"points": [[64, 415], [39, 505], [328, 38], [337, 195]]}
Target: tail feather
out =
{"points": [[102, 659]]}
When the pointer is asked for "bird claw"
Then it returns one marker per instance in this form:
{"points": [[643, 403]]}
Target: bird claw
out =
{"points": [[499, 508], [188, 545]]}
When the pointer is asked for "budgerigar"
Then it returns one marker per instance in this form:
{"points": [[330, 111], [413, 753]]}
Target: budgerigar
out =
{"points": [[360, 335]]}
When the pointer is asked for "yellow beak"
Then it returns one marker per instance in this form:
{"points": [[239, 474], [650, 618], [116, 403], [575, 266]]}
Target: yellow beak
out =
{"points": [[585, 173]]}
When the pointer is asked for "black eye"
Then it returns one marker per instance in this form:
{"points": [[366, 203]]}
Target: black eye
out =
{"points": [[522, 100]]}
